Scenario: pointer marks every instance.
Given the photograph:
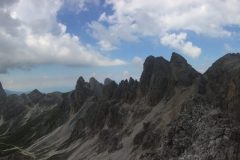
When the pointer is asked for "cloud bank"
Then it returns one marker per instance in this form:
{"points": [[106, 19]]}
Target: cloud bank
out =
{"points": [[178, 41], [168, 20], [30, 35]]}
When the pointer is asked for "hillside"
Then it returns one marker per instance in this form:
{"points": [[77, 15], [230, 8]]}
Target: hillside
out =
{"points": [[172, 113]]}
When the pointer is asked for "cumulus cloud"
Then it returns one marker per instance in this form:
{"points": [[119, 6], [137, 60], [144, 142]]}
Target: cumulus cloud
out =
{"points": [[110, 37], [179, 42], [137, 61], [133, 19], [30, 35], [106, 45], [79, 5]]}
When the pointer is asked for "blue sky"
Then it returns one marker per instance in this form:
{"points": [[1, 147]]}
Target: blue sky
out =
{"points": [[48, 44]]}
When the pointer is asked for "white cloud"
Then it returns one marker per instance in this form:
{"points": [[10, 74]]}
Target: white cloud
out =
{"points": [[137, 61], [79, 5], [110, 37], [30, 35], [178, 41], [133, 19], [106, 45]]}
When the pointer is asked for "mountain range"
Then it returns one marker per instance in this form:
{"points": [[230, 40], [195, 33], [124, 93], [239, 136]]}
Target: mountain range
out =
{"points": [[172, 113]]}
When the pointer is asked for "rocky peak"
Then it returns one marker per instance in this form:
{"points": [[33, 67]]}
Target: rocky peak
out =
{"points": [[93, 82], [127, 90], [153, 66], [186, 125], [96, 87], [80, 83], [223, 80], [2, 91], [131, 81], [161, 76], [227, 63], [224, 69], [81, 93], [182, 72], [177, 59], [36, 92], [35, 96], [109, 88], [154, 79], [107, 81], [2, 94]]}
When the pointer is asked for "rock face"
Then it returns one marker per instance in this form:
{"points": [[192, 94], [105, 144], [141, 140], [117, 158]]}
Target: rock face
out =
{"points": [[96, 87], [160, 76], [35, 96], [224, 83], [109, 88], [2, 98], [154, 79], [182, 73], [81, 93], [2, 92], [127, 90], [173, 113]]}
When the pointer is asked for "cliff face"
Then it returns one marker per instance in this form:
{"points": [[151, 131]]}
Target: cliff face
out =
{"points": [[2, 93], [173, 112], [160, 77]]}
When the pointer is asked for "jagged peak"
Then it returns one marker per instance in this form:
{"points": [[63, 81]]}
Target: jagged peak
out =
{"points": [[131, 79], [35, 95], [80, 83], [1, 87], [154, 63], [177, 58], [95, 86], [93, 79], [229, 57], [123, 82], [152, 59], [108, 81], [93, 82], [228, 62], [149, 58], [80, 80], [35, 91], [2, 91]]}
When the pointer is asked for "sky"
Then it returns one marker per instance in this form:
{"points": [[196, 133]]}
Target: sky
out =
{"points": [[48, 44]]}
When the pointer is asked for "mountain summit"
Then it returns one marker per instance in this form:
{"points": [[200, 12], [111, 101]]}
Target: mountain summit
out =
{"points": [[2, 92], [160, 77], [172, 113]]}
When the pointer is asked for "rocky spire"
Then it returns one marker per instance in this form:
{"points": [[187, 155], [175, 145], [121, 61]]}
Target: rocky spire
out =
{"points": [[80, 83], [177, 59], [81, 93], [125, 91], [182, 72], [154, 79], [107, 81], [35, 95], [109, 88], [161, 76], [96, 87], [2, 92]]}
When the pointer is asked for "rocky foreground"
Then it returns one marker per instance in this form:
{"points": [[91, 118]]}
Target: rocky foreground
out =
{"points": [[172, 113]]}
